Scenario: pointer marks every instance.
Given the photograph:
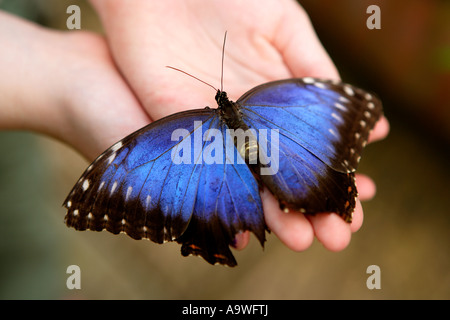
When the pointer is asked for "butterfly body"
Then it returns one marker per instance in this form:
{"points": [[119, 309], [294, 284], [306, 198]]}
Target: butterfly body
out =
{"points": [[229, 111], [187, 178]]}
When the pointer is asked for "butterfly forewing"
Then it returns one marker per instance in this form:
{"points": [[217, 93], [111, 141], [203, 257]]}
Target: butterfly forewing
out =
{"points": [[331, 120], [323, 127]]}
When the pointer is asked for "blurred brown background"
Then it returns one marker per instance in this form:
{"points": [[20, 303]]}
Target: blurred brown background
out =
{"points": [[406, 227]]}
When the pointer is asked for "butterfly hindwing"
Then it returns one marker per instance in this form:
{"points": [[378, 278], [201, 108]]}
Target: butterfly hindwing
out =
{"points": [[228, 202]]}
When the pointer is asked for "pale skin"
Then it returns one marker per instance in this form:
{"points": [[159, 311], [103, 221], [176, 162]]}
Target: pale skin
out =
{"points": [[90, 93]]}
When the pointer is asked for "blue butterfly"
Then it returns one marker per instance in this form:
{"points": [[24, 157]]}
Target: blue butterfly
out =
{"points": [[180, 179]]}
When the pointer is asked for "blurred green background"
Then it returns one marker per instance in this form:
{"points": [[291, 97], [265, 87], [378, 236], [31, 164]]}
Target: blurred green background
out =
{"points": [[406, 227]]}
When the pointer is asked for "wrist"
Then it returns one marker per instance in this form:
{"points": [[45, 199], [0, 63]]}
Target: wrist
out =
{"points": [[25, 81]]}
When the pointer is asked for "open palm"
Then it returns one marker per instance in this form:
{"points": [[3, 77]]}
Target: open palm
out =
{"points": [[267, 40]]}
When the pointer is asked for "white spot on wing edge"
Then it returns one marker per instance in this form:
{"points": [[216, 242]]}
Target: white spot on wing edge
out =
{"points": [[333, 133], [348, 90], [343, 99], [114, 186], [85, 185], [129, 190], [340, 106], [320, 85], [117, 146], [147, 201], [337, 117], [308, 80], [111, 158]]}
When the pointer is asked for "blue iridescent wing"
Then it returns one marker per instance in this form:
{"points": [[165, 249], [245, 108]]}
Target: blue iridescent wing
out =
{"points": [[323, 127], [136, 187]]}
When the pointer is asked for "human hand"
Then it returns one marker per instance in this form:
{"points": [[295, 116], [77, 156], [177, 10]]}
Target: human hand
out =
{"points": [[267, 41], [63, 84]]}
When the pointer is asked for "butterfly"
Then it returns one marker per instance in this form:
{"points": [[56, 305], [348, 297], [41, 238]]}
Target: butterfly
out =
{"points": [[185, 178]]}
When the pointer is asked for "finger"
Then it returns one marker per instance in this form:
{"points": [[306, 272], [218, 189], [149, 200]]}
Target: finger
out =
{"points": [[366, 187], [358, 217], [292, 228], [241, 240], [380, 131], [301, 48], [331, 230]]}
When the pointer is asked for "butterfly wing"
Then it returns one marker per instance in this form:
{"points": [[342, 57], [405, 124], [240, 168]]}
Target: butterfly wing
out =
{"points": [[157, 184], [323, 127]]}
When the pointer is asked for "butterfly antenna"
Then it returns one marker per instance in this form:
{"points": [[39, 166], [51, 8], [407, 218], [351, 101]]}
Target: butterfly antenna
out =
{"points": [[223, 55], [190, 75]]}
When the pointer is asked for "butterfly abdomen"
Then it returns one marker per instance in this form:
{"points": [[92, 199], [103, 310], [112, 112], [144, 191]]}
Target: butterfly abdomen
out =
{"points": [[244, 138]]}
